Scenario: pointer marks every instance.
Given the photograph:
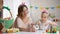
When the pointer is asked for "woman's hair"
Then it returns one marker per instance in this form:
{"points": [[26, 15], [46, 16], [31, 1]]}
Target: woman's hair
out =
{"points": [[20, 9]]}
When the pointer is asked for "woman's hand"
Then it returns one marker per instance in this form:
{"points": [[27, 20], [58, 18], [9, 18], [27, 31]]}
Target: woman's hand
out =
{"points": [[32, 28]]}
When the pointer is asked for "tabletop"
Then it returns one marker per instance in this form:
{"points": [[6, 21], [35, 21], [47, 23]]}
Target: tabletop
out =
{"points": [[37, 32]]}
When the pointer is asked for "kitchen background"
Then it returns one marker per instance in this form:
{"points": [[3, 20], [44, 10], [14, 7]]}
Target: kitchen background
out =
{"points": [[35, 7]]}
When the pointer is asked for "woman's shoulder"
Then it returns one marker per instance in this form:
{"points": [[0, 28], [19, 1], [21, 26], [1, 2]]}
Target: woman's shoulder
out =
{"points": [[18, 18]]}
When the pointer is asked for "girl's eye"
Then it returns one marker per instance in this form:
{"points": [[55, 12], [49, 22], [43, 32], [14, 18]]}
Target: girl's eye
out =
{"points": [[44, 17]]}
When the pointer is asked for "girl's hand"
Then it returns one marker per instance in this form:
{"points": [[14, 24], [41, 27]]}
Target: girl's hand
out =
{"points": [[38, 23], [53, 23]]}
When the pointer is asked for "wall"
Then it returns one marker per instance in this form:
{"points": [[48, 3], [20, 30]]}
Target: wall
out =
{"points": [[7, 3], [13, 5], [35, 13], [17, 3]]}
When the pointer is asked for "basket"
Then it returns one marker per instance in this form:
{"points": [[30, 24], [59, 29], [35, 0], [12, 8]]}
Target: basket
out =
{"points": [[7, 23]]}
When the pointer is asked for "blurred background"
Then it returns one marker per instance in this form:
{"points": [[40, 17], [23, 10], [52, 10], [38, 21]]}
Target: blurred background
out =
{"points": [[35, 8]]}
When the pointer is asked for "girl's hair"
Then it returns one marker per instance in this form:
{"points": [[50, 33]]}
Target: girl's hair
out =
{"points": [[20, 9], [45, 12]]}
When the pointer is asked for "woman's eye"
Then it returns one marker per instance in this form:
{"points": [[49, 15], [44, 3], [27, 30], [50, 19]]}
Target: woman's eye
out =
{"points": [[44, 17]]}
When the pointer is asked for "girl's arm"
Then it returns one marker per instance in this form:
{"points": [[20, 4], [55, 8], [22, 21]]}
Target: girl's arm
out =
{"points": [[53, 23], [38, 22]]}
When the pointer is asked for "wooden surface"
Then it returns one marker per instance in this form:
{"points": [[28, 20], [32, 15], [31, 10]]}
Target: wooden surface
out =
{"points": [[1, 26], [1, 6]]}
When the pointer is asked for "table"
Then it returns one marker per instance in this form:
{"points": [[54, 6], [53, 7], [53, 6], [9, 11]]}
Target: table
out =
{"points": [[37, 32]]}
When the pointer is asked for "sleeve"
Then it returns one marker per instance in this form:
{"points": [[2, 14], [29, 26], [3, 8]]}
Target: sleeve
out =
{"points": [[30, 20], [19, 22]]}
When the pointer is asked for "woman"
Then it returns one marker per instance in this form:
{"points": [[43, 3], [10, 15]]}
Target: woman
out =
{"points": [[23, 19]]}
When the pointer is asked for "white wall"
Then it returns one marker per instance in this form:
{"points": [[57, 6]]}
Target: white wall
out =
{"points": [[16, 3], [35, 13], [7, 3], [13, 5], [45, 3]]}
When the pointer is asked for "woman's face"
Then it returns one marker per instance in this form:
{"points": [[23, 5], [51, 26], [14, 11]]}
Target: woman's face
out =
{"points": [[25, 11], [44, 16]]}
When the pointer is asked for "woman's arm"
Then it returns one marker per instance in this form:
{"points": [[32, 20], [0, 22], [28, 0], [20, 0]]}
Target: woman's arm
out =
{"points": [[23, 29]]}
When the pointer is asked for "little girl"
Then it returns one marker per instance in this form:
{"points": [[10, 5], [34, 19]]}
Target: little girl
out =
{"points": [[44, 23]]}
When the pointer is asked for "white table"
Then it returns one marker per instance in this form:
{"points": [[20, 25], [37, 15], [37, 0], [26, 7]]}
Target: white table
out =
{"points": [[38, 32]]}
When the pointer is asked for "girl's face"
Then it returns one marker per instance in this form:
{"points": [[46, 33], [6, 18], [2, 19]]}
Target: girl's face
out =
{"points": [[25, 11], [44, 16]]}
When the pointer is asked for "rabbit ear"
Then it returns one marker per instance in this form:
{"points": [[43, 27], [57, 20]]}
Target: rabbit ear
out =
{"points": [[23, 3], [44, 10]]}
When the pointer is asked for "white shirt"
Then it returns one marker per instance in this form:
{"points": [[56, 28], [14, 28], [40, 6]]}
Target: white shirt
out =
{"points": [[21, 24], [45, 26]]}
